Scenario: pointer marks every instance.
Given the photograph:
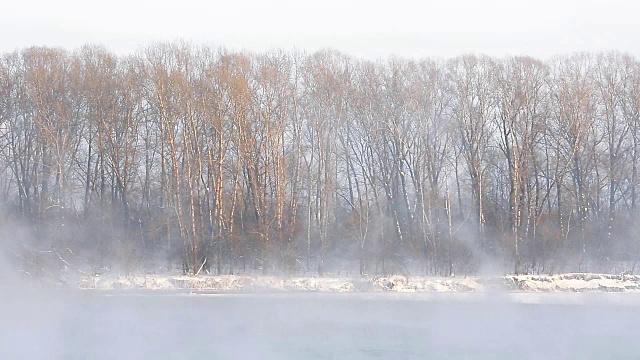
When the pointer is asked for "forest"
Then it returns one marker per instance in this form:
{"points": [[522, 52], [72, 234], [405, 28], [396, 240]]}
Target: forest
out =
{"points": [[216, 161]]}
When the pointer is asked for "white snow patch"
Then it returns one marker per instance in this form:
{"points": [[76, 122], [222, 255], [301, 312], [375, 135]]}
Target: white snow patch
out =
{"points": [[576, 282], [396, 283]]}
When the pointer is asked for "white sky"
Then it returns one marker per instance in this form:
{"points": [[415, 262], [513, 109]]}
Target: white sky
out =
{"points": [[371, 29]]}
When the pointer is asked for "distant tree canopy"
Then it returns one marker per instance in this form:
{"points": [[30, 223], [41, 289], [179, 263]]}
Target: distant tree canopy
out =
{"points": [[290, 162]]}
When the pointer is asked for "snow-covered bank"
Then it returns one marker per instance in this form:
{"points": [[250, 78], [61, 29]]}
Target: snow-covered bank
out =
{"points": [[578, 282], [231, 283]]}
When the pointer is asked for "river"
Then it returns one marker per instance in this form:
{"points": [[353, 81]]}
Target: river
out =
{"points": [[173, 325]]}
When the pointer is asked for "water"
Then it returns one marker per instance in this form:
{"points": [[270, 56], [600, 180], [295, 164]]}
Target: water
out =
{"points": [[93, 325]]}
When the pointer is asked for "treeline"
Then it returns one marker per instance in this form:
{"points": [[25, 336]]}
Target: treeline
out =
{"points": [[289, 162]]}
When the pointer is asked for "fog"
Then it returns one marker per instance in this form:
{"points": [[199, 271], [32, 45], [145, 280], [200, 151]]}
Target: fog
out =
{"points": [[44, 320], [41, 321], [315, 326], [365, 28]]}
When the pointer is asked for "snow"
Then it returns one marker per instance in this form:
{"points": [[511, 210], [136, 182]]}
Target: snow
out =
{"points": [[422, 284], [218, 283], [576, 282]]}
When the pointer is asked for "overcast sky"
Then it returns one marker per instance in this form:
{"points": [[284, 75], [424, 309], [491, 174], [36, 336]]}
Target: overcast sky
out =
{"points": [[371, 29]]}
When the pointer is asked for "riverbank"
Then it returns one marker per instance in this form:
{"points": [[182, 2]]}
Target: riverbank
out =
{"points": [[574, 282]]}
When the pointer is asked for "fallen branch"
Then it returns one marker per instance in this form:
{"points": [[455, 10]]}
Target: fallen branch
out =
{"points": [[201, 266]]}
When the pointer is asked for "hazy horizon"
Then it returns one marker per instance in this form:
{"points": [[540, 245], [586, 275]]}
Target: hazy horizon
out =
{"points": [[368, 30]]}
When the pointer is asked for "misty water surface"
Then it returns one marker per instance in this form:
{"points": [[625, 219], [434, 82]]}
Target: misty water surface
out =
{"points": [[94, 325]]}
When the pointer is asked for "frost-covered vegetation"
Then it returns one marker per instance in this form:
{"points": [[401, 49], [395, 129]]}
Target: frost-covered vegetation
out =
{"points": [[221, 162]]}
